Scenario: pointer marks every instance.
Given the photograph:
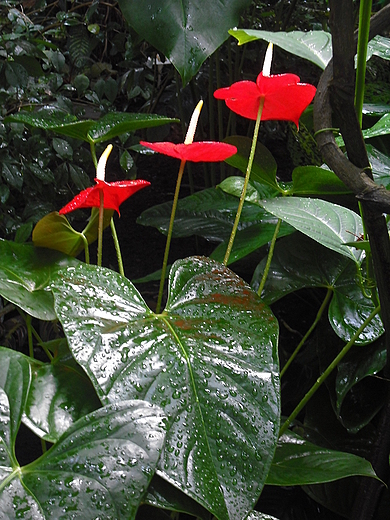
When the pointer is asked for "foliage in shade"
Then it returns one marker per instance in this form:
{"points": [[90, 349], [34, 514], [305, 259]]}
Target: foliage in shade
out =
{"points": [[26, 273], [315, 46], [217, 382], [184, 30]]}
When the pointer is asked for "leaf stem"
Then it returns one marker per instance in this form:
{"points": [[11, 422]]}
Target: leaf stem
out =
{"points": [[269, 258], [86, 247], [117, 247], [169, 236], [330, 368], [100, 228], [308, 333], [364, 28], [246, 181]]}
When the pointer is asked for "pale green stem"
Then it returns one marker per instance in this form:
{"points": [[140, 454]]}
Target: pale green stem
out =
{"points": [[28, 320], [92, 147], [169, 236], [364, 28], [308, 333], [100, 229], [42, 344], [330, 368], [117, 248], [246, 181], [86, 247], [269, 258]]}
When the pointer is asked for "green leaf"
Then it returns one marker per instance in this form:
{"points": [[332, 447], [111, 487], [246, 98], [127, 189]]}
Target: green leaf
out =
{"points": [[209, 213], [380, 164], [54, 231], [184, 31], [379, 46], [99, 468], [329, 224], [115, 123], [26, 273], [209, 360], [12, 175], [264, 165], [299, 263], [298, 462], [163, 495], [109, 126], [313, 180], [359, 396], [315, 46], [63, 148], [256, 515]]}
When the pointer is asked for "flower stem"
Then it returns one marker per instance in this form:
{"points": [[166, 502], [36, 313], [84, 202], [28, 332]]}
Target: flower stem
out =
{"points": [[330, 368], [312, 327], [364, 28], [269, 258], [100, 229], [117, 247], [247, 176], [169, 236]]}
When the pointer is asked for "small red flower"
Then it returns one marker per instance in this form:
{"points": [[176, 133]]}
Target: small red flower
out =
{"points": [[284, 97], [114, 194], [201, 151]]}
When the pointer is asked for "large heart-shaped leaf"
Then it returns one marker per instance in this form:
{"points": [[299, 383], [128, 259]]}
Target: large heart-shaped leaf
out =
{"points": [[209, 360], [315, 46], [329, 224], [314, 180], [56, 395], [100, 468], [26, 273], [184, 30], [299, 262], [298, 462]]}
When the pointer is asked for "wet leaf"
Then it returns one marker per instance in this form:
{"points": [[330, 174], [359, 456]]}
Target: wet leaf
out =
{"points": [[108, 127], [100, 468], [299, 262], [329, 224], [315, 46], [209, 360], [298, 462], [26, 273], [184, 31]]}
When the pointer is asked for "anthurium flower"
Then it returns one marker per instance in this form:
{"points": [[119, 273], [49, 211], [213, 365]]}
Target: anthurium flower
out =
{"points": [[285, 98], [114, 193], [201, 151]]}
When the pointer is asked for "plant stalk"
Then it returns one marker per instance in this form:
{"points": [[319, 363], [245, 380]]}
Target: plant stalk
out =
{"points": [[247, 176], [330, 369], [308, 333], [117, 247], [364, 29], [269, 257], [100, 229], [169, 236]]}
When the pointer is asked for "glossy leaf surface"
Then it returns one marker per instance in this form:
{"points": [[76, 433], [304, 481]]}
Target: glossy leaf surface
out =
{"points": [[109, 126], [184, 31], [315, 46], [54, 231], [100, 468], [299, 263], [379, 46], [264, 165], [313, 180], [209, 360], [298, 462], [329, 224], [26, 273]]}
